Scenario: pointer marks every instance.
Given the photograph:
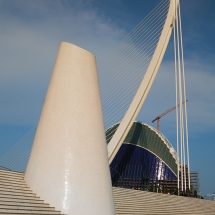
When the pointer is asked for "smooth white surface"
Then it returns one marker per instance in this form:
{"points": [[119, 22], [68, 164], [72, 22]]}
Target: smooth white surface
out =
{"points": [[145, 86], [68, 165]]}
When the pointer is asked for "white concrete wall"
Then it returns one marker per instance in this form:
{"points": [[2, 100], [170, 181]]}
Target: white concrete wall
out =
{"points": [[68, 165]]}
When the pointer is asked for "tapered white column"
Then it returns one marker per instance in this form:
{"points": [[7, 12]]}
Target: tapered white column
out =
{"points": [[68, 165]]}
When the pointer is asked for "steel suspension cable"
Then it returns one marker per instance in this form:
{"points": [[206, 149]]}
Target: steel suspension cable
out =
{"points": [[184, 85], [124, 80], [176, 96], [180, 100]]}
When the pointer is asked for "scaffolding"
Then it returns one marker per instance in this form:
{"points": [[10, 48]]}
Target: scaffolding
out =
{"points": [[194, 181]]}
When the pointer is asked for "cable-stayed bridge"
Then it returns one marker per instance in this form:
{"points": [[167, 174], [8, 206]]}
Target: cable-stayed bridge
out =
{"points": [[120, 74], [126, 75]]}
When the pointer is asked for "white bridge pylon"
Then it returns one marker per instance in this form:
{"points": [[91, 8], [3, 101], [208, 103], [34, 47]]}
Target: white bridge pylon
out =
{"points": [[148, 79]]}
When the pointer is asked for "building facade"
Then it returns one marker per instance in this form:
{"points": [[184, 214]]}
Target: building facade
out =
{"points": [[146, 157]]}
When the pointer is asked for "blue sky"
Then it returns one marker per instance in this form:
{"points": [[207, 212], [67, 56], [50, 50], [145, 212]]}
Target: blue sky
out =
{"points": [[30, 33]]}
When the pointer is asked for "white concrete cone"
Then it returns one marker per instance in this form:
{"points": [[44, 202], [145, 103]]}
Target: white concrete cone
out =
{"points": [[68, 165]]}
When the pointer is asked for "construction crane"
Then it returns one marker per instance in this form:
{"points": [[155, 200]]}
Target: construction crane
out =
{"points": [[161, 115]]}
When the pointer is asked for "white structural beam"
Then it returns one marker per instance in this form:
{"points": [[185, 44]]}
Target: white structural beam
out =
{"points": [[68, 165], [134, 108]]}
